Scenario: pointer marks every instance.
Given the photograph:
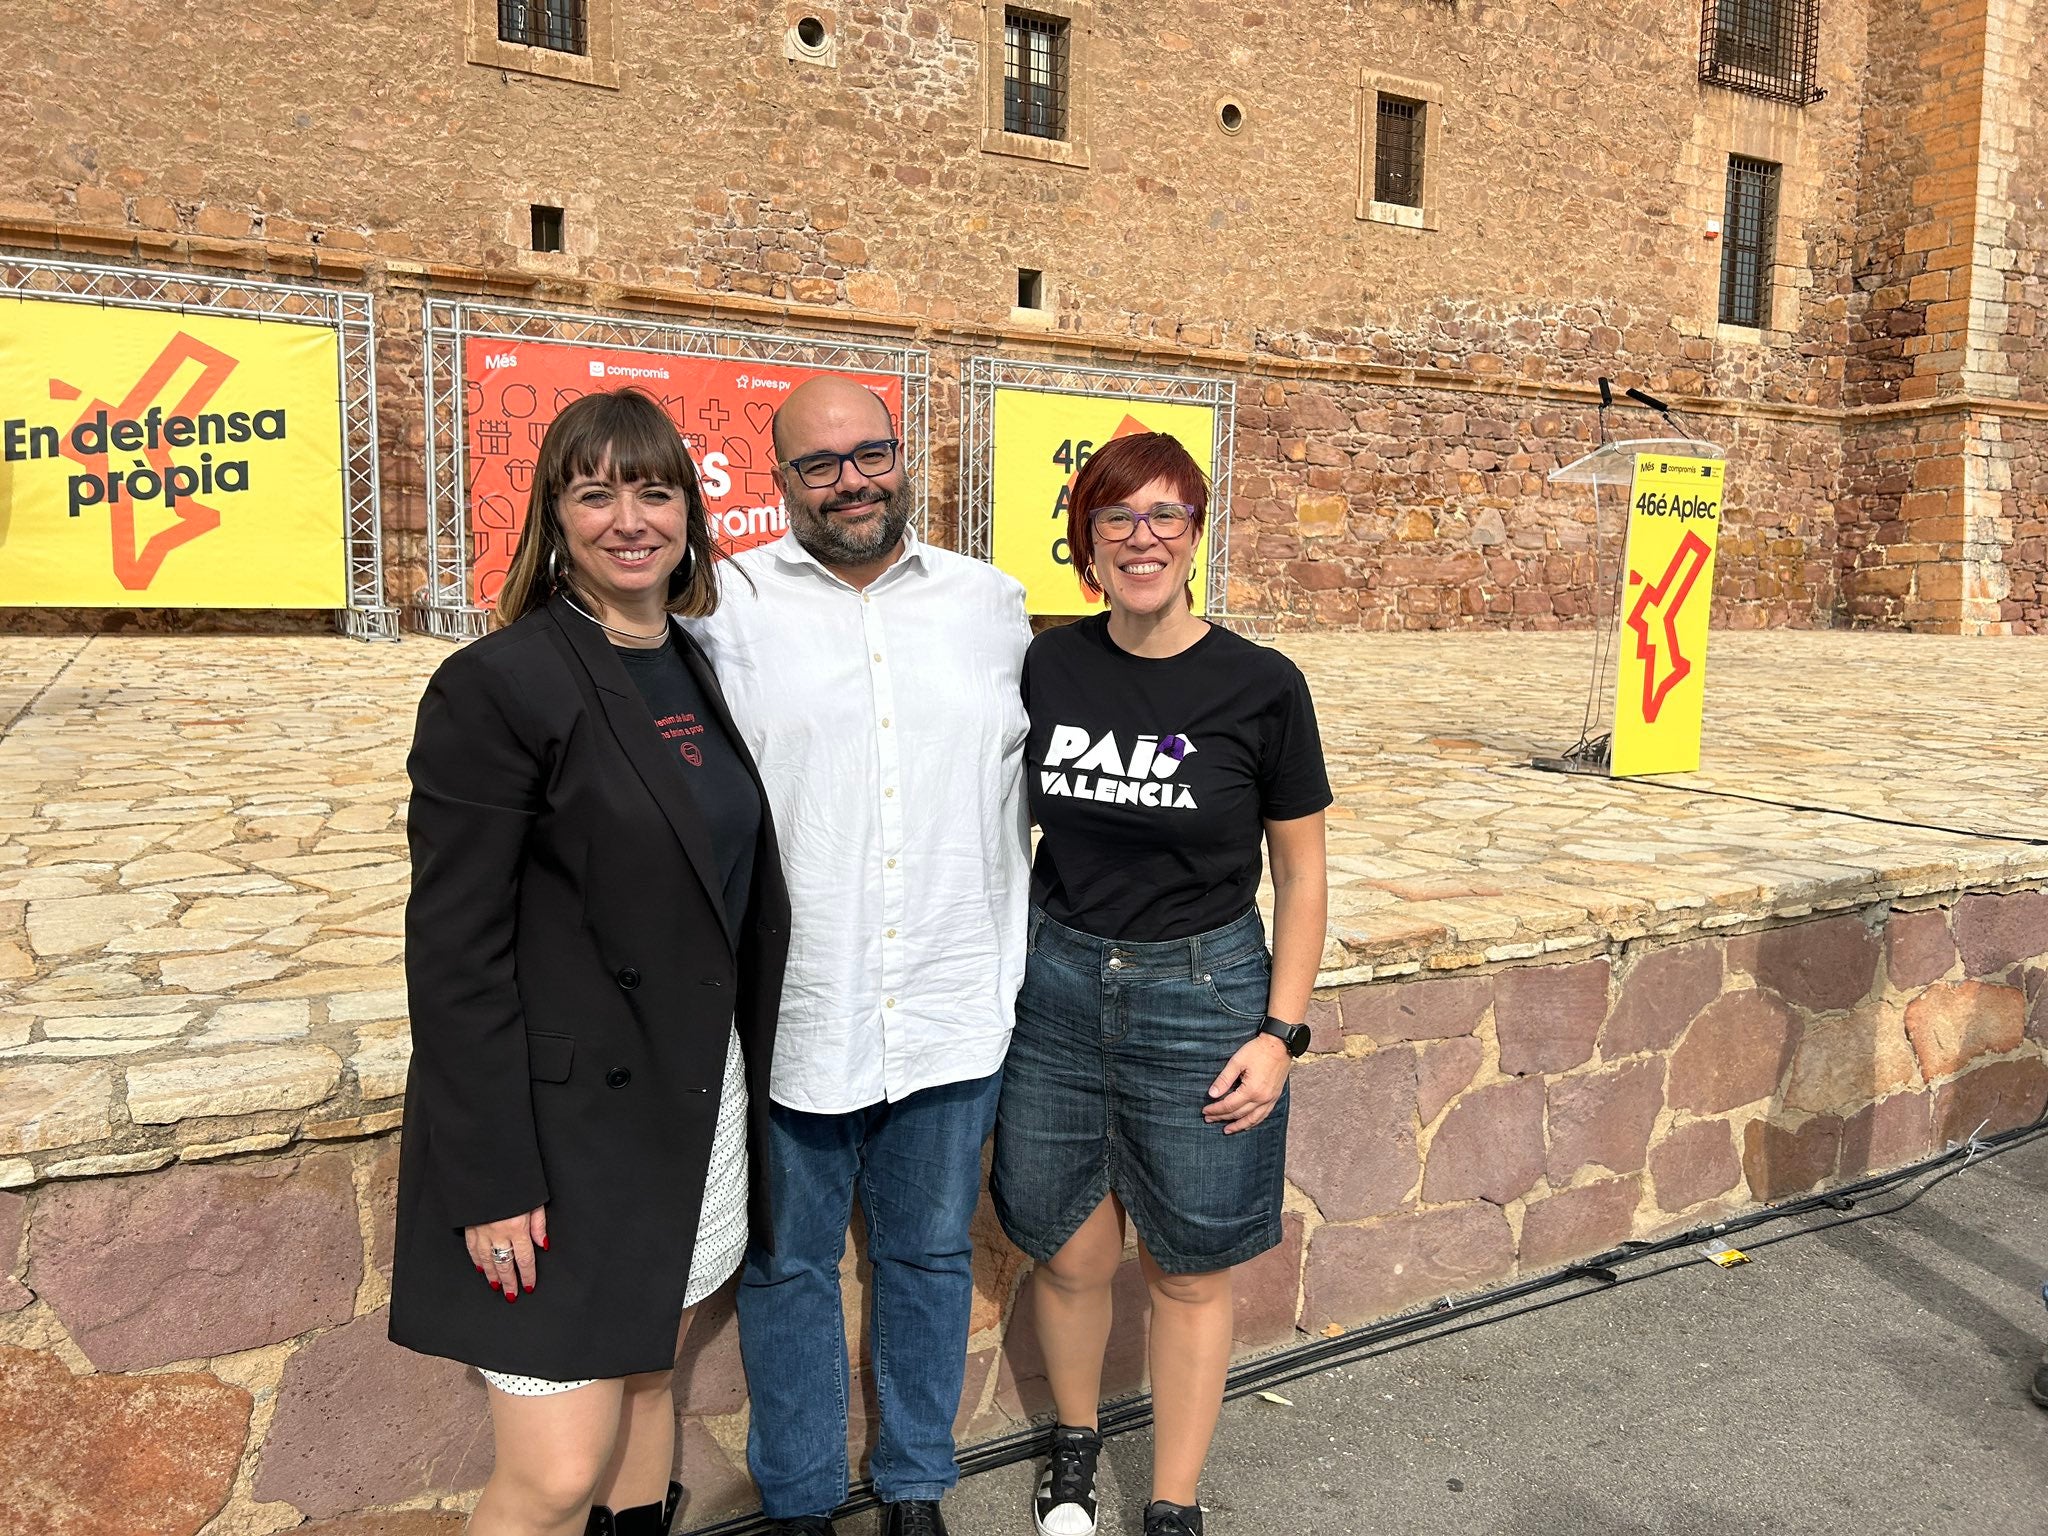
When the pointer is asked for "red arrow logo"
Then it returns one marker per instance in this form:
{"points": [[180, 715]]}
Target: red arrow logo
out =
{"points": [[136, 567], [1666, 597]]}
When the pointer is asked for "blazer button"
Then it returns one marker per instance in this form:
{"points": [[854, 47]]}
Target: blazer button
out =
{"points": [[618, 1077], [628, 978]]}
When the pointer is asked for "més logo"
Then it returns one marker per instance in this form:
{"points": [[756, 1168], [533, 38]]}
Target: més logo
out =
{"points": [[1080, 767]]}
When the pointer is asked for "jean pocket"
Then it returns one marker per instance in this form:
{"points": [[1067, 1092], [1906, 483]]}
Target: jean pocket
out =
{"points": [[1242, 990]]}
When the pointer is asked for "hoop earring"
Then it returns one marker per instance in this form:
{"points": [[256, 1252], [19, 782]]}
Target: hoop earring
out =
{"points": [[1088, 574], [554, 568], [689, 566]]}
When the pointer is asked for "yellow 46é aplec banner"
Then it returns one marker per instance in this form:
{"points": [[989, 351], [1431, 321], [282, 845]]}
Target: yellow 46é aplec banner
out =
{"points": [[1660, 684], [1041, 441], [151, 459]]}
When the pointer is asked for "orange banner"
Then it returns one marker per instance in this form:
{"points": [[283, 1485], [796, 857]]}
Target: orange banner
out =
{"points": [[722, 406]]}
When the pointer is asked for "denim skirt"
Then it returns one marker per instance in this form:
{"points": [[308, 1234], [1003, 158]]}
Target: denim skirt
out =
{"points": [[1104, 1087]]}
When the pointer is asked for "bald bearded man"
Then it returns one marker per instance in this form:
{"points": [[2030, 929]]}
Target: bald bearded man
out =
{"points": [[875, 680]]}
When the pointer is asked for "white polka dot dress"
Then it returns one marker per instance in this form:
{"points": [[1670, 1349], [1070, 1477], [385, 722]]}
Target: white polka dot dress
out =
{"points": [[721, 1223]]}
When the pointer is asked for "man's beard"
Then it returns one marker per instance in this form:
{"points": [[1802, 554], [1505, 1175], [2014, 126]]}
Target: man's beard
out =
{"points": [[831, 542]]}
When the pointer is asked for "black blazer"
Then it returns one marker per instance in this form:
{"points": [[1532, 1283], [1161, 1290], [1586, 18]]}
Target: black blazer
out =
{"points": [[571, 979]]}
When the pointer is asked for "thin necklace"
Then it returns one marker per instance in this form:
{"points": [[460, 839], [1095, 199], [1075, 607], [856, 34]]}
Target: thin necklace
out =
{"points": [[661, 634]]}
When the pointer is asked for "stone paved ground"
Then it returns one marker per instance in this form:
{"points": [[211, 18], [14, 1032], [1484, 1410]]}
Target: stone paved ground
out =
{"points": [[202, 862]]}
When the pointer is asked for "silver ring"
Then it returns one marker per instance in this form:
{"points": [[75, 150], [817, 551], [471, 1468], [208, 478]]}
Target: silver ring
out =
{"points": [[502, 1255]]}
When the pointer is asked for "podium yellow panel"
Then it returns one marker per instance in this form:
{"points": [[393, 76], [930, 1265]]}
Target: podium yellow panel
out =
{"points": [[1660, 687]]}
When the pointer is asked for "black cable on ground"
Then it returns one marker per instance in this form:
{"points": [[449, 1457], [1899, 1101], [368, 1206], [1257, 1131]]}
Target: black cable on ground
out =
{"points": [[1589, 1277], [2030, 840]]}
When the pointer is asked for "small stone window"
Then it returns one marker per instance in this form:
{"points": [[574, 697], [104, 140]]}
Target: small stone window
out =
{"points": [[559, 25], [811, 40], [1750, 237], [560, 39], [1397, 152], [1763, 47], [547, 228], [1030, 288], [1035, 87], [1400, 150], [1035, 68]]}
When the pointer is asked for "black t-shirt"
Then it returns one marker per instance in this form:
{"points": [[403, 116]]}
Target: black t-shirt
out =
{"points": [[719, 782], [1151, 779]]}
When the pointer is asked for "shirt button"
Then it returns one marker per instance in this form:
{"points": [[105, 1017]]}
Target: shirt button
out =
{"points": [[885, 722], [890, 934], [878, 655], [618, 1077], [628, 978], [892, 863], [888, 794], [890, 1003]]}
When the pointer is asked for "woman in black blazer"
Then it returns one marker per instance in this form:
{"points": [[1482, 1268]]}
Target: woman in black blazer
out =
{"points": [[594, 951]]}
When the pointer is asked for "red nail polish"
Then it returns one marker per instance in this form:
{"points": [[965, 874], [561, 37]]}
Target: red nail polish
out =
{"points": [[543, 1245], [529, 1288], [494, 1285], [479, 1269], [511, 1295]]}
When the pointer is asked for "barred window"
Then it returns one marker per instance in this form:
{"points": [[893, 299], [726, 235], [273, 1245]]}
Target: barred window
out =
{"points": [[1397, 152], [1764, 47], [556, 24], [1749, 234], [1035, 74], [547, 227]]}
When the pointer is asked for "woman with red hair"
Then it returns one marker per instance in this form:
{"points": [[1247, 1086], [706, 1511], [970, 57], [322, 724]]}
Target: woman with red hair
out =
{"points": [[1147, 1079]]}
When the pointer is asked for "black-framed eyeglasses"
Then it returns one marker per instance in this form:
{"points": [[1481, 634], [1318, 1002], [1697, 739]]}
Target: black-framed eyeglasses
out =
{"points": [[821, 471], [1166, 519]]}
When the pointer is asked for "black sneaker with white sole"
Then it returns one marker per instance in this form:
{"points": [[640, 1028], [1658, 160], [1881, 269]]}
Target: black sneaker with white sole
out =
{"points": [[1164, 1519], [1065, 1503]]}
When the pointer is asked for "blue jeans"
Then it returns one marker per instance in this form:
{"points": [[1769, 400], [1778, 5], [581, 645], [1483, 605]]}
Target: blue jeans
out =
{"points": [[917, 1168]]}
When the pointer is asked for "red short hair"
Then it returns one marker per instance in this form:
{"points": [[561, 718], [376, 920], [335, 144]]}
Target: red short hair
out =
{"points": [[1119, 469]]}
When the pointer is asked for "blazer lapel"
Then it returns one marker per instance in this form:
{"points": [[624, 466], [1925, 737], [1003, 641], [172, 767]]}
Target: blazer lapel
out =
{"points": [[626, 712]]}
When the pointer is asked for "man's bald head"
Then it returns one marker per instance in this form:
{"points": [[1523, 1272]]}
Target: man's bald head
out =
{"points": [[854, 523], [822, 410]]}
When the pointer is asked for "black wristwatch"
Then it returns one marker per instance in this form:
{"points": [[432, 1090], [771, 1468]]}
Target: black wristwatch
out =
{"points": [[1293, 1036]]}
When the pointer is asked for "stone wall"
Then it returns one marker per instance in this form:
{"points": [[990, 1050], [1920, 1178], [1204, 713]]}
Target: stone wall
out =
{"points": [[2024, 505], [1945, 305], [709, 174], [208, 1340]]}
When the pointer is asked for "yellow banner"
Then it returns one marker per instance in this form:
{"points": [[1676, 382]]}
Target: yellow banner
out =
{"points": [[1041, 442], [1660, 685], [159, 460]]}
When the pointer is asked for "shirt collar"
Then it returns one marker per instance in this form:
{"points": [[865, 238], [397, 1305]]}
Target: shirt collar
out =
{"points": [[789, 551]]}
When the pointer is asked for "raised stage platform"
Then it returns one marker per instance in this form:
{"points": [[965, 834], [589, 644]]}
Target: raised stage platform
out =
{"points": [[1557, 1012]]}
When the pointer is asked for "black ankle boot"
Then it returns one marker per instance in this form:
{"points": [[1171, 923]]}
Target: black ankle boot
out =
{"points": [[640, 1520]]}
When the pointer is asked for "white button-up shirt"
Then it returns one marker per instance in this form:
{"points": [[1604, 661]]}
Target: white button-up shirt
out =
{"points": [[890, 736]]}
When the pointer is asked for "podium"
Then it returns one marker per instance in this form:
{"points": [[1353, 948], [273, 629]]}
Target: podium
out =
{"points": [[1657, 517]]}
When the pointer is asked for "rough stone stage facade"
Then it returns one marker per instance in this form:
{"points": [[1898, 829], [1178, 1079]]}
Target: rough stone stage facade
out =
{"points": [[1402, 390]]}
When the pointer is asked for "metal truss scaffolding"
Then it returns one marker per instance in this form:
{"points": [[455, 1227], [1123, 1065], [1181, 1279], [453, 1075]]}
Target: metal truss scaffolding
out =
{"points": [[349, 313], [985, 375], [452, 324]]}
